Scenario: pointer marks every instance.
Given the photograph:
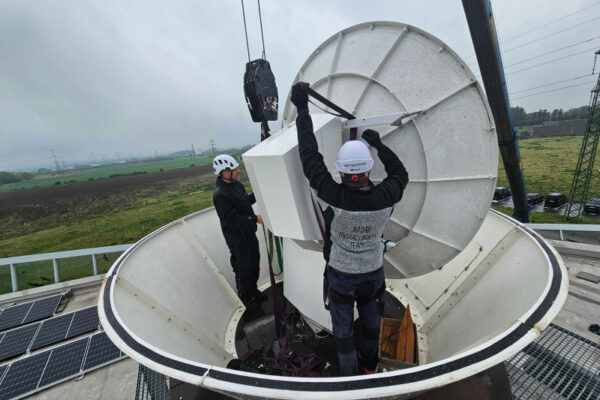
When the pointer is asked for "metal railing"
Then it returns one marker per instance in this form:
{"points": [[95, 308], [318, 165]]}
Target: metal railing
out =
{"points": [[587, 234], [13, 261], [564, 229]]}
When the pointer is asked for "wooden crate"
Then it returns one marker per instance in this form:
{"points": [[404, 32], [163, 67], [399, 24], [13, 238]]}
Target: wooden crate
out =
{"points": [[397, 343]]}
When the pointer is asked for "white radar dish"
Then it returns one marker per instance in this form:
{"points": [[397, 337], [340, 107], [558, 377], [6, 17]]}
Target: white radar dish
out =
{"points": [[448, 145]]}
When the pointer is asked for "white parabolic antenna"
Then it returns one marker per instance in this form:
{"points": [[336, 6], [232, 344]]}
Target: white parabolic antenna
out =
{"points": [[480, 285], [448, 145]]}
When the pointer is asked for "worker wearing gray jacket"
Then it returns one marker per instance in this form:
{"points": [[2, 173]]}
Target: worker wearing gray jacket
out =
{"points": [[355, 214]]}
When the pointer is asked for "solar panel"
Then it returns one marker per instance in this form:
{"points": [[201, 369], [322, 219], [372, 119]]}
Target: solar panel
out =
{"points": [[29, 312], [43, 308], [65, 361], [100, 351], [23, 376], [85, 320], [2, 371], [27, 375], [13, 316], [53, 330], [17, 341]]}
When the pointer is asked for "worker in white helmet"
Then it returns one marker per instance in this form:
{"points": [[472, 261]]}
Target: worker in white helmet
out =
{"points": [[355, 213], [238, 224]]}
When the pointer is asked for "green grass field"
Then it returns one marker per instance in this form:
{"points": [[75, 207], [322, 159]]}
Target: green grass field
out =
{"points": [[119, 227], [546, 218], [549, 164], [127, 226], [108, 170], [113, 228]]}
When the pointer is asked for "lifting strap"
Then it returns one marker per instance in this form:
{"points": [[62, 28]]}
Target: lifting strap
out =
{"points": [[279, 329], [341, 112], [260, 89]]}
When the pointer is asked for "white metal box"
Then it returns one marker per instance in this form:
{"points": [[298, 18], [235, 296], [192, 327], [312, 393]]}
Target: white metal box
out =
{"points": [[275, 172], [303, 279]]}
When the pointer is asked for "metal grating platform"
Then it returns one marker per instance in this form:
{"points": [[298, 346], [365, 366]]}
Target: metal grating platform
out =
{"points": [[151, 385], [559, 365]]}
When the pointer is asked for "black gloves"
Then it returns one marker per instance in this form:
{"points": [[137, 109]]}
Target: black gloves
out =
{"points": [[300, 95], [372, 138]]}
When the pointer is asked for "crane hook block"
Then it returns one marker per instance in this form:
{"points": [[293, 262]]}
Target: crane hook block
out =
{"points": [[260, 91]]}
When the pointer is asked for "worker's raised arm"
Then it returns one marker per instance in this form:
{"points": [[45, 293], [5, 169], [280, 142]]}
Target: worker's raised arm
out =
{"points": [[397, 177], [312, 161]]}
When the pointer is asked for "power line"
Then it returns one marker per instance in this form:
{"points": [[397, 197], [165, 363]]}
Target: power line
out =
{"points": [[551, 34], [545, 54], [550, 84], [548, 23], [553, 51], [544, 63], [549, 61], [541, 26], [553, 90]]}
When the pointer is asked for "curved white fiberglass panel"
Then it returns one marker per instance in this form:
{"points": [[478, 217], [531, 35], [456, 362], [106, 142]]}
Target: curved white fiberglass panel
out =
{"points": [[168, 305], [448, 147]]}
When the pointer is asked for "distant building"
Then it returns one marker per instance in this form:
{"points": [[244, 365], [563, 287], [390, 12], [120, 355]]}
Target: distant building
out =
{"points": [[571, 127]]}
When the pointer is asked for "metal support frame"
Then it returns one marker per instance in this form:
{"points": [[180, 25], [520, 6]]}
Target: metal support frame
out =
{"points": [[13, 277], [151, 385], [394, 119], [483, 33], [94, 264], [585, 163], [55, 267]]}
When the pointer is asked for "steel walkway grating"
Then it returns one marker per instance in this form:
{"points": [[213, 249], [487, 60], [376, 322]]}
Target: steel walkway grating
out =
{"points": [[559, 365]]}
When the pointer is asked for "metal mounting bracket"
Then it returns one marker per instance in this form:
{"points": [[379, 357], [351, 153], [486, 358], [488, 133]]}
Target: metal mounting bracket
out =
{"points": [[395, 119]]}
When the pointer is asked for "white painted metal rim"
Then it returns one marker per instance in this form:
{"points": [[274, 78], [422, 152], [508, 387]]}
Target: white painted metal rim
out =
{"points": [[416, 379]]}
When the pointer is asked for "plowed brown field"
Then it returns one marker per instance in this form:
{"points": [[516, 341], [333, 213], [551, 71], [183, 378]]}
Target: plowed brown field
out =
{"points": [[30, 210]]}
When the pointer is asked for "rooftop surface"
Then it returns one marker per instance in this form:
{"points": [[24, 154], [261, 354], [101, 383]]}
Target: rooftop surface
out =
{"points": [[582, 308]]}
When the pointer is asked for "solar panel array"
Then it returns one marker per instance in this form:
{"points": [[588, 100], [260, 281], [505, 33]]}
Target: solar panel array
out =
{"points": [[29, 312], [33, 373], [34, 336]]}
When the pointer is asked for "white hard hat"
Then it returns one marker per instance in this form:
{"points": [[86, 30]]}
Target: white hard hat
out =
{"points": [[224, 161], [354, 157]]}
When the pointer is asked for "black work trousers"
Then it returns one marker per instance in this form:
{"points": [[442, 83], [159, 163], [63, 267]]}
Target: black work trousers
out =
{"points": [[245, 261], [366, 290]]}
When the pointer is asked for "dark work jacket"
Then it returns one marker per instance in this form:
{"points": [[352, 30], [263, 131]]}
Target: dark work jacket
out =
{"points": [[354, 216], [234, 207]]}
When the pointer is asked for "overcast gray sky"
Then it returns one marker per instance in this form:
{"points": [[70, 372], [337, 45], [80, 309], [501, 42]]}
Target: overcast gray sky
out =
{"points": [[130, 77]]}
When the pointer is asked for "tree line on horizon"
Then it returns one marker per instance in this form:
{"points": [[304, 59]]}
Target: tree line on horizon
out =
{"points": [[523, 118], [9, 177]]}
